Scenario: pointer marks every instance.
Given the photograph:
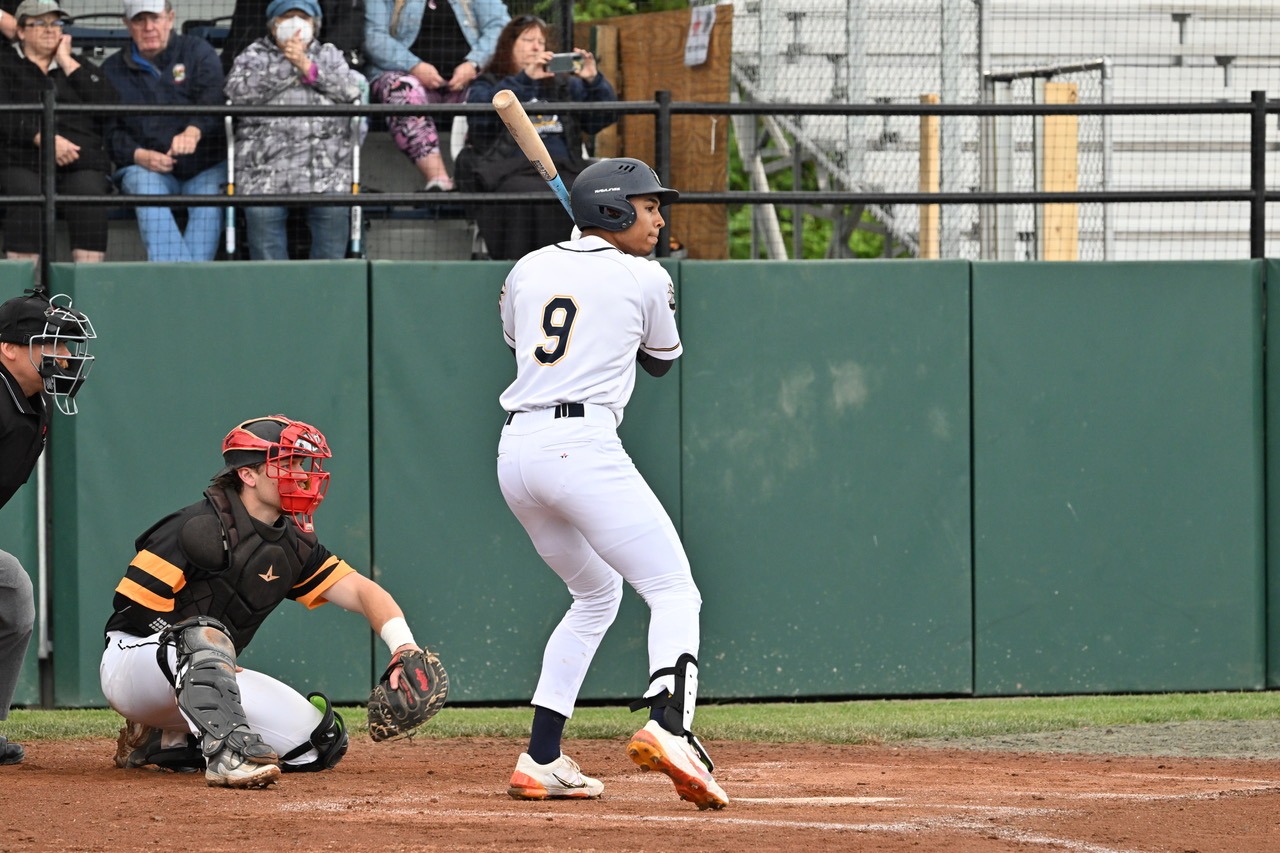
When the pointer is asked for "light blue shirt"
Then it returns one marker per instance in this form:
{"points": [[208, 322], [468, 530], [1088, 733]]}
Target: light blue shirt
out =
{"points": [[481, 22]]}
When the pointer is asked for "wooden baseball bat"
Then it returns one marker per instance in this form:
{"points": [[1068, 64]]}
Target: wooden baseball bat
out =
{"points": [[517, 121]]}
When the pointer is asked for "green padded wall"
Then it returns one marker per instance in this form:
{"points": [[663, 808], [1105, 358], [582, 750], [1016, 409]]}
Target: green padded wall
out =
{"points": [[826, 475], [184, 353], [18, 516], [445, 543], [1117, 477]]}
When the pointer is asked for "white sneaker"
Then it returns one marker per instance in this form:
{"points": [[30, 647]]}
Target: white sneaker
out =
{"points": [[244, 761], [655, 748], [561, 779]]}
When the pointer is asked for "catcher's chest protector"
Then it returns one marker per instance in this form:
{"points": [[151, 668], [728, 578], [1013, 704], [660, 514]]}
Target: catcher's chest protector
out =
{"points": [[265, 563]]}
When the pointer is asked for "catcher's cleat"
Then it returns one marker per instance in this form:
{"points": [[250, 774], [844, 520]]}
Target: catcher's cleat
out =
{"points": [[655, 748], [559, 780], [134, 744], [244, 761], [140, 745], [10, 752]]}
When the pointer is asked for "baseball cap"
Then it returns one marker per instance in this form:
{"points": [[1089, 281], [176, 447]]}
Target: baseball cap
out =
{"points": [[23, 316], [36, 8], [134, 8], [279, 7]]}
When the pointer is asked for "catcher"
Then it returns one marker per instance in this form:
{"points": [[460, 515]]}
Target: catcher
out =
{"points": [[204, 579]]}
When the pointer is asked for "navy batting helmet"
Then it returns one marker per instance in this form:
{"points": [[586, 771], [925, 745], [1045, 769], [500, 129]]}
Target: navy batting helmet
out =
{"points": [[601, 193]]}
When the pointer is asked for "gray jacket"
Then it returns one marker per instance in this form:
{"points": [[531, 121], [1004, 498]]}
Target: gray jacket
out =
{"points": [[294, 154]]}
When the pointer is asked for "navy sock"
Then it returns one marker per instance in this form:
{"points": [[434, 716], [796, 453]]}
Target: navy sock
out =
{"points": [[544, 738]]}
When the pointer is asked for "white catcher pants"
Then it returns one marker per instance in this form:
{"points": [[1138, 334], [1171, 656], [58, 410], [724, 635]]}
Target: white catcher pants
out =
{"points": [[596, 523], [137, 689]]}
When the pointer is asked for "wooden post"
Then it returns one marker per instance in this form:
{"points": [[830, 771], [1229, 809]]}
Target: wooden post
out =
{"points": [[604, 44], [1061, 222], [930, 181], [650, 57]]}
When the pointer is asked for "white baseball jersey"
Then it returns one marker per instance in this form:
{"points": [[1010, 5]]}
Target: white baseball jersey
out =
{"points": [[575, 313]]}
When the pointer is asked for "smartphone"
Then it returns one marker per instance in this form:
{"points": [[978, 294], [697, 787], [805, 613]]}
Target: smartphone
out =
{"points": [[565, 62]]}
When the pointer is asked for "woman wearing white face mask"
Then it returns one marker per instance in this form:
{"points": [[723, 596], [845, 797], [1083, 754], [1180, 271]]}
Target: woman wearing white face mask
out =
{"points": [[295, 154]]}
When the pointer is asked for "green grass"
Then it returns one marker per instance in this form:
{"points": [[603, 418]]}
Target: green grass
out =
{"points": [[855, 722]]}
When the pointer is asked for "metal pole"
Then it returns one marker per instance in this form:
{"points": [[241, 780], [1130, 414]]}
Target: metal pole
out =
{"points": [[952, 151], [1258, 162], [1003, 248], [1108, 222], [566, 25], [1037, 148], [856, 126], [48, 185], [662, 160], [986, 135], [797, 210]]}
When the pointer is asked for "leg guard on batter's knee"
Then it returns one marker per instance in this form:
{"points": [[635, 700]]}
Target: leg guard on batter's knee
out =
{"points": [[678, 706], [208, 694], [329, 740]]}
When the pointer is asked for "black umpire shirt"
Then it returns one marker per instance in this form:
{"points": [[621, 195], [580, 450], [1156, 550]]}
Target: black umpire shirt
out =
{"points": [[24, 425]]}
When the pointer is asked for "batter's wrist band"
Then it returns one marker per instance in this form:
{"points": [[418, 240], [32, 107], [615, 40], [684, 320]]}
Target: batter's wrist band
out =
{"points": [[396, 633]]}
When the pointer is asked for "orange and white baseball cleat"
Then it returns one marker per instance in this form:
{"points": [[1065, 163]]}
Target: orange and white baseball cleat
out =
{"points": [[655, 748], [559, 780]]}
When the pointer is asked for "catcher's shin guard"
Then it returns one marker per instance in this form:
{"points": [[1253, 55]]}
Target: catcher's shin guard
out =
{"points": [[329, 740], [678, 706], [208, 694]]}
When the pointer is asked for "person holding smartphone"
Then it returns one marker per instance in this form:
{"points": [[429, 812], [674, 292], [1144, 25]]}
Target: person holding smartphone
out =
{"points": [[492, 162]]}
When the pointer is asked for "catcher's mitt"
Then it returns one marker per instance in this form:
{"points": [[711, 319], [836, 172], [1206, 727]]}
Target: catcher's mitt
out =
{"points": [[423, 686]]}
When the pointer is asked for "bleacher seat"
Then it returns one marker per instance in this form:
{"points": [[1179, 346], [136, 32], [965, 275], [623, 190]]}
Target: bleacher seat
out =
{"points": [[213, 30]]}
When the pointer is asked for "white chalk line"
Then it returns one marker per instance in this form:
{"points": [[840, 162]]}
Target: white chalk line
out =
{"points": [[817, 801], [720, 819], [1194, 795], [964, 821]]}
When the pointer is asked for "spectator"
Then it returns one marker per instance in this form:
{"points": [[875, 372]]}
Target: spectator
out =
{"points": [[168, 154], [44, 59], [277, 155], [428, 52], [8, 23], [492, 162], [343, 28]]}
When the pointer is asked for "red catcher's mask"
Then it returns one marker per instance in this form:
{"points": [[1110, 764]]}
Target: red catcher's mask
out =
{"points": [[294, 453]]}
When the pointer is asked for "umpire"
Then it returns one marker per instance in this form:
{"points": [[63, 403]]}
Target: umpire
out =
{"points": [[43, 357]]}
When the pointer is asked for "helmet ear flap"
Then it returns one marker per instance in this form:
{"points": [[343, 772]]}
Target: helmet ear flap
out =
{"points": [[600, 196], [622, 219]]}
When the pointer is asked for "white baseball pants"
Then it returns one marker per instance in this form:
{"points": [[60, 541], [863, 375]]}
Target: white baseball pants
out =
{"points": [[137, 689], [596, 523]]}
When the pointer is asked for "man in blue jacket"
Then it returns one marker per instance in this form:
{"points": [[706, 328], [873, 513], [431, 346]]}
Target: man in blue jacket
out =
{"points": [[169, 154]]}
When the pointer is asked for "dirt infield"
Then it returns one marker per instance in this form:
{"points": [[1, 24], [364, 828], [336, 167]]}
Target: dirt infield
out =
{"points": [[451, 795]]}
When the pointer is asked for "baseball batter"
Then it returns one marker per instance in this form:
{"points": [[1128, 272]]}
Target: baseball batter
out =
{"points": [[579, 315], [204, 579]]}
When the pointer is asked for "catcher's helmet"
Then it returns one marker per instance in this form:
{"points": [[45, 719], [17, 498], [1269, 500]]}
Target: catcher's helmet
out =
{"points": [[280, 442], [601, 193], [61, 336]]}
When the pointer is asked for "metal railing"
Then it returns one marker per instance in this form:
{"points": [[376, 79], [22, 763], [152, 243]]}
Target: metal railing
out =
{"points": [[663, 110]]}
